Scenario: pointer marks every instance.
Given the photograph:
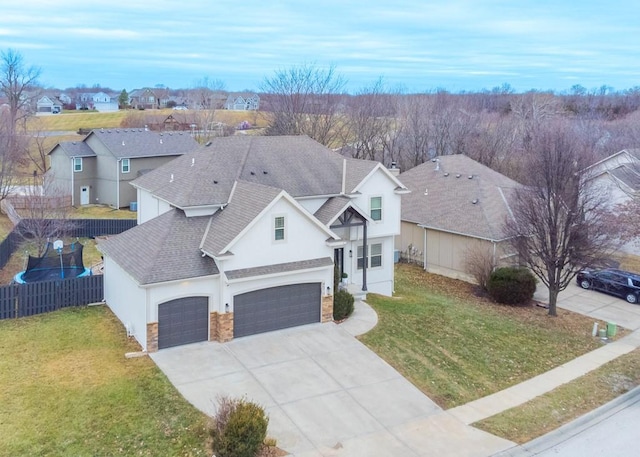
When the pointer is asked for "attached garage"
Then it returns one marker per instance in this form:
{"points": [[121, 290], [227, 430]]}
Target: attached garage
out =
{"points": [[276, 308], [183, 321]]}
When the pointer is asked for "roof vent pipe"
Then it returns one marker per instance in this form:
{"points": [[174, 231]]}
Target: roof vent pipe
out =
{"points": [[193, 161], [171, 180]]}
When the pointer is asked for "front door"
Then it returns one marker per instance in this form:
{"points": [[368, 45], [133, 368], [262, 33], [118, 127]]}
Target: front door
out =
{"points": [[84, 195]]}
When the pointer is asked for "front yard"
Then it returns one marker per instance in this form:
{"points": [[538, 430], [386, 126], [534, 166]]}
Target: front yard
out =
{"points": [[457, 347], [67, 389]]}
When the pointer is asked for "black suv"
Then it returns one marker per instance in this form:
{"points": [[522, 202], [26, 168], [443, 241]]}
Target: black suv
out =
{"points": [[611, 281]]}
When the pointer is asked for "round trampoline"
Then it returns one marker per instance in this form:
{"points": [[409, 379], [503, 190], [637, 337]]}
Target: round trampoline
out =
{"points": [[57, 262]]}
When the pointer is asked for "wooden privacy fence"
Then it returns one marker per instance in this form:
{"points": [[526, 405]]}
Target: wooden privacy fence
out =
{"points": [[81, 228], [20, 300]]}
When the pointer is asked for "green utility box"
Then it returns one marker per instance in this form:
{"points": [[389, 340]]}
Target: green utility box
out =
{"points": [[611, 329]]}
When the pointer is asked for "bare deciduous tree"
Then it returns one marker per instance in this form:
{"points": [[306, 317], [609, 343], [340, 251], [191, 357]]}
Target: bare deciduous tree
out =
{"points": [[305, 100], [559, 223], [479, 263], [370, 120], [44, 212], [17, 85]]}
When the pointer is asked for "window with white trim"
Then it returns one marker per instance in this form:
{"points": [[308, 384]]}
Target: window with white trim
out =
{"points": [[77, 164], [375, 208], [125, 165], [375, 256], [278, 228]]}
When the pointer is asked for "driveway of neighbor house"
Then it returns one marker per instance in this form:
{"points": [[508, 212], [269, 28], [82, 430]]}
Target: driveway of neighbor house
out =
{"points": [[595, 304], [326, 394]]}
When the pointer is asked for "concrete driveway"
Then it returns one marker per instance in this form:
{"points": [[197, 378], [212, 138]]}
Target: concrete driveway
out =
{"points": [[595, 304], [326, 394]]}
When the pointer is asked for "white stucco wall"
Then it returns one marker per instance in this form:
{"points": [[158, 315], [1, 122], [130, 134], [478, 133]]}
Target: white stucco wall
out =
{"points": [[126, 299], [149, 206], [380, 280], [207, 286], [312, 204], [303, 240], [379, 185]]}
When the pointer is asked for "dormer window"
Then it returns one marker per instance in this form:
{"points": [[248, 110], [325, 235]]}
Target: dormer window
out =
{"points": [[375, 208], [279, 228]]}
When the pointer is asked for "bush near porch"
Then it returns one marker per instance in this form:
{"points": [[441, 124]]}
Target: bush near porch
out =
{"points": [[457, 347]]}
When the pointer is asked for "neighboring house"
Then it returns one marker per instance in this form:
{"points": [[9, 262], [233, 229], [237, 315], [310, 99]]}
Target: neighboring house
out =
{"points": [[48, 104], [618, 176], [99, 101], [241, 237], [99, 168], [149, 98], [243, 102], [456, 206]]}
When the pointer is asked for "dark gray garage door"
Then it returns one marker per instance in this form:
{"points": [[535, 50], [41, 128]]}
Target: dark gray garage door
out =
{"points": [[275, 308], [183, 321]]}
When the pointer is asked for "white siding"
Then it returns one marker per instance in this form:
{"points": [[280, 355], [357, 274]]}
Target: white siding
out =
{"points": [[126, 299]]}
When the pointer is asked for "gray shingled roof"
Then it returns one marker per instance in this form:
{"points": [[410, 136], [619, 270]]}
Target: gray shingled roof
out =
{"points": [[166, 248], [448, 203], [247, 201], [629, 174], [297, 164], [75, 149], [331, 209], [132, 143], [279, 268]]}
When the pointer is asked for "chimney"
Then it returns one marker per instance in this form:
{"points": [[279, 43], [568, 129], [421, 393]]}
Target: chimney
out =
{"points": [[395, 171]]}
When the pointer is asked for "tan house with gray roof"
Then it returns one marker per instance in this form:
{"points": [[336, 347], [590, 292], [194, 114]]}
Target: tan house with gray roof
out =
{"points": [[242, 235], [100, 168], [456, 206]]}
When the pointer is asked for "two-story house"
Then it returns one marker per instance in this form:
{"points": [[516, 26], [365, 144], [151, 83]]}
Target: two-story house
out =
{"points": [[242, 236], [98, 169]]}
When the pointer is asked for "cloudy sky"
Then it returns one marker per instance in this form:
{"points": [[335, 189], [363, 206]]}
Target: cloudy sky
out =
{"points": [[416, 45]]}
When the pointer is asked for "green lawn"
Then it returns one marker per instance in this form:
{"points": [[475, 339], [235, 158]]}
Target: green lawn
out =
{"points": [[68, 390], [457, 347]]}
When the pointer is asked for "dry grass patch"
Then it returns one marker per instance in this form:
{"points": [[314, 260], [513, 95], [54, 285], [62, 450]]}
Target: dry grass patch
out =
{"points": [[566, 403], [69, 390], [457, 346], [101, 212]]}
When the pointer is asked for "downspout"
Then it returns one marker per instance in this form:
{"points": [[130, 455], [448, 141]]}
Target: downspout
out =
{"points": [[365, 258], [118, 183], [424, 251], [494, 255], [73, 192]]}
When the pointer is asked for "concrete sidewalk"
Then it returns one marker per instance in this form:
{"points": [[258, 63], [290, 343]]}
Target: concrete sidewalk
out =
{"points": [[589, 303], [546, 382]]}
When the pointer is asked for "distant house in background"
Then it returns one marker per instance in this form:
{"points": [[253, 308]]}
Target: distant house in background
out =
{"points": [[98, 169], [149, 98], [99, 101], [619, 177], [48, 104], [456, 206], [619, 174], [243, 102]]}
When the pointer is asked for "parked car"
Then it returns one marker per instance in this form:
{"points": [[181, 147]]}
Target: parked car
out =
{"points": [[612, 281]]}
